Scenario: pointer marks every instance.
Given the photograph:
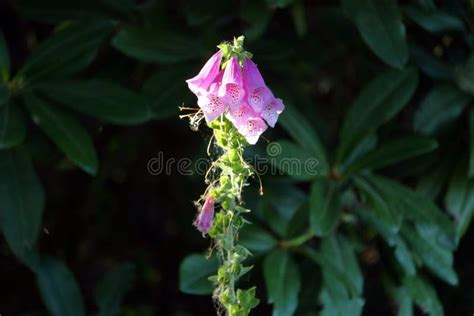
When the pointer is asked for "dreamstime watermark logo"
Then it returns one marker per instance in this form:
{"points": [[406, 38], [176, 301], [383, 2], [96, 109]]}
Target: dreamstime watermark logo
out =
{"points": [[280, 159]]}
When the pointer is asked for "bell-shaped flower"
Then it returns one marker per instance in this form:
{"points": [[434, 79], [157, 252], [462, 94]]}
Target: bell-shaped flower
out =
{"points": [[203, 221], [206, 76], [272, 110], [212, 105], [231, 90], [238, 92], [248, 123], [257, 93]]}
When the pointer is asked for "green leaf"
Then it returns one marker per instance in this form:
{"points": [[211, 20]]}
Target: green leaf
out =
{"points": [[340, 296], [166, 91], [424, 295], [443, 103], [437, 258], [21, 204], [282, 280], [303, 133], [402, 253], [295, 161], [459, 199], [12, 126], [333, 268], [400, 295], [405, 304], [66, 52], [380, 25], [431, 183], [65, 131], [247, 300], [157, 46], [194, 272], [381, 201], [434, 20], [101, 99], [59, 289], [367, 144], [285, 197], [464, 75], [378, 102], [325, 207], [266, 211], [432, 66], [4, 59], [280, 205], [393, 152], [419, 209], [111, 289], [335, 305], [256, 239], [342, 254]]}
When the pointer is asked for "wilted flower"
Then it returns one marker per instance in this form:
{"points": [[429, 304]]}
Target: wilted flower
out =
{"points": [[238, 91], [203, 221]]}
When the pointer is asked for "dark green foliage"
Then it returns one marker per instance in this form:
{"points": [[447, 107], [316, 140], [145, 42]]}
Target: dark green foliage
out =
{"points": [[194, 273], [22, 199], [59, 289], [65, 131], [367, 178], [283, 282], [110, 290]]}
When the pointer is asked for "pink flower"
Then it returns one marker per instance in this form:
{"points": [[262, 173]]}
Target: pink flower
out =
{"points": [[239, 92], [257, 92], [206, 76], [248, 123], [272, 110], [212, 105], [231, 90], [203, 221]]}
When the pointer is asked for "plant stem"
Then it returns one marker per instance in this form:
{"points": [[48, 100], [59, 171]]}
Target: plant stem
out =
{"points": [[232, 175]]}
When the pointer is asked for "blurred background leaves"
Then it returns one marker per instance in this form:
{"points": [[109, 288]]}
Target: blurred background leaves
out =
{"points": [[378, 98]]}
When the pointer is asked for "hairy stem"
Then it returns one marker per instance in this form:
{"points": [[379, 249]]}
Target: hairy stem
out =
{"points": [[231, 176]]}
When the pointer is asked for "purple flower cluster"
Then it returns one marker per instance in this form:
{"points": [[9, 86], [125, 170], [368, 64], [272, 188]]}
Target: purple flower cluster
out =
{"points": [[239, 92]]}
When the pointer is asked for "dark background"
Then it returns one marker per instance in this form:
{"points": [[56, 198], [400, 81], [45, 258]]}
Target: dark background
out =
{"points": [[124, 213]]}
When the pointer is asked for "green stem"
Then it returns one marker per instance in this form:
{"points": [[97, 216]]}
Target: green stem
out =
{"points": [[227, 190]]}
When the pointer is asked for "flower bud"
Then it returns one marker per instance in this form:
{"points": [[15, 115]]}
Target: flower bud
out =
{"points": [[203, 221]]}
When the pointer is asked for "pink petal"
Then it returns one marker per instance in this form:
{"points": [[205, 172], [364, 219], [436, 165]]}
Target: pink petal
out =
{"points": [[231, 90], [210, 103], [206, 76], [257, 92], [271, 111], [240, 115], [212, 106], [253, 129], [259, 97], [252, 75], [247, 122], [203, 221]]}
